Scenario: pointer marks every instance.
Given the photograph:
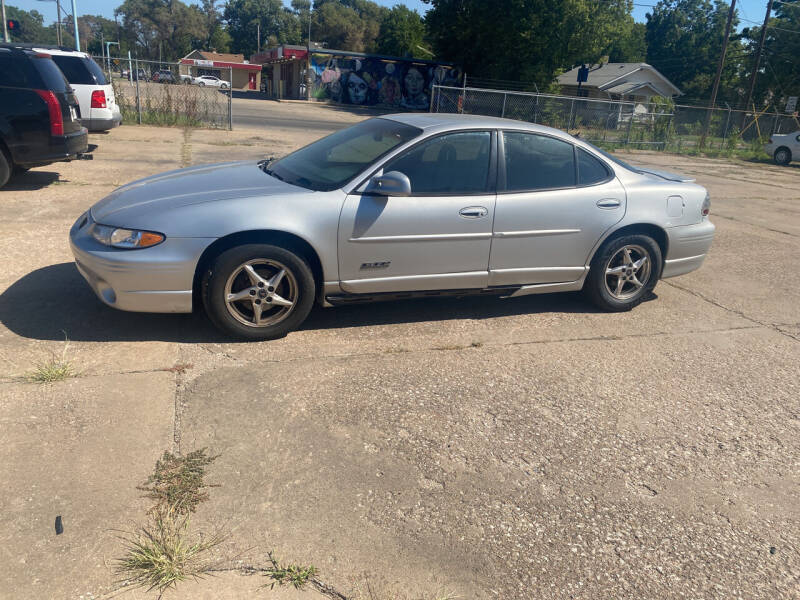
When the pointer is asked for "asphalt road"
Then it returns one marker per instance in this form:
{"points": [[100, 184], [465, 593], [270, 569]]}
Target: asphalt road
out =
{"points": [[254, 112], [485, 448]]}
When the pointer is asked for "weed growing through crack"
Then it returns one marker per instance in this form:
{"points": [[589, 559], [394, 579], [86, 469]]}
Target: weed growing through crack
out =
{"points": [[288, 574], [178, 481], [164, 552], [57, 368]]}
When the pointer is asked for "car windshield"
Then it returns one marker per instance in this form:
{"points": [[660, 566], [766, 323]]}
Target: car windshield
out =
{"points": [[329, 163], [613, 158]]}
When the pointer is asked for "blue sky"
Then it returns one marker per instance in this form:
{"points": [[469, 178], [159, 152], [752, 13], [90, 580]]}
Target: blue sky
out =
{"points": [[750, 11]]}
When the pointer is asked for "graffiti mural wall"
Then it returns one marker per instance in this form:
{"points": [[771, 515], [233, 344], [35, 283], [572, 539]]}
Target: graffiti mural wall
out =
{"points": [[372, 80]]}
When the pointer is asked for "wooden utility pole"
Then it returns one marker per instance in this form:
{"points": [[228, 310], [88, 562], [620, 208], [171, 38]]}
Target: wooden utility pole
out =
{"points": [[719, 73], [756, 64]]}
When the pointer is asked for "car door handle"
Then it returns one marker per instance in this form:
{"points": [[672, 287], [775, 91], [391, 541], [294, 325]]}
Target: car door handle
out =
{"points": [[474, 212], [608, 203]]}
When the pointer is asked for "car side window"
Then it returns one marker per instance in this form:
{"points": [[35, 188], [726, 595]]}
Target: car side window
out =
{"points": [[451, 164], [590, 170], [12, 71], [537, 162]]}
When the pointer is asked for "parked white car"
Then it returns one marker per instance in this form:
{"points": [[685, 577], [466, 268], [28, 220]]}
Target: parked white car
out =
{"points": [[98, 108], [784, 148], [211, 81]]}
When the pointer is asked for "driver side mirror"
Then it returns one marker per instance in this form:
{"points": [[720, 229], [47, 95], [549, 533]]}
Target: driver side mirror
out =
{"points": [[393, 183]]}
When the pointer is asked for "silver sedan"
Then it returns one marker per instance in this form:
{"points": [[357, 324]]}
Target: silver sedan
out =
{"points": [[396, 206]]}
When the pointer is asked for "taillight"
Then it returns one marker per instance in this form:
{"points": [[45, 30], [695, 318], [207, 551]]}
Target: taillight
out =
{"points": [[98, 99], [706, 206], [54, 108]]}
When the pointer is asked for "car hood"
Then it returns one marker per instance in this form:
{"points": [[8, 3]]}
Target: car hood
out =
{"points": [[667, 175], [184, 187]]}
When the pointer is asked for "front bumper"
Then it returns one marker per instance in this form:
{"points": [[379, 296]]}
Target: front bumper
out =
{"points": [[157, 279], [688, 246]]}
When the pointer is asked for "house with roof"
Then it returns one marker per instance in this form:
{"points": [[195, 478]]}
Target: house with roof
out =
{"points": [[244, 75], [630, 82]]}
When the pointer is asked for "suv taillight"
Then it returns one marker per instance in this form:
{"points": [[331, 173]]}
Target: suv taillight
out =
{"points": [[98, 99], [54, 108], [706, 208]]}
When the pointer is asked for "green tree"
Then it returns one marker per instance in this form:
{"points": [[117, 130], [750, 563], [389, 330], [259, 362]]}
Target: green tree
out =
{"points": [[523, 40], [216, 37], [278, 24], [402, 33], [348, 24], [168, 28], [779, 75], [684, 41], [630, 45]]}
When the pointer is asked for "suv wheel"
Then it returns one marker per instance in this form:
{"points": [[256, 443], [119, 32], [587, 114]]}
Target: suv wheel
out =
{"points": [[258, 291], [783, 156], [5, 168], [624, 272]]}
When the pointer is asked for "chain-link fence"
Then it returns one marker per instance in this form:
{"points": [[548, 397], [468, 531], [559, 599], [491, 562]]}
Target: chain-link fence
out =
{"points": [[658, 124], [166, 93]]}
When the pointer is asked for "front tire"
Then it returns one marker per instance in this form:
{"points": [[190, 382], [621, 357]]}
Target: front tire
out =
{"points": [[783, 156], [624, 272], [258, 291]]}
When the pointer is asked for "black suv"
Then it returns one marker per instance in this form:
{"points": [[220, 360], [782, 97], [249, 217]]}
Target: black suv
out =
{"points": [[38, 113]]}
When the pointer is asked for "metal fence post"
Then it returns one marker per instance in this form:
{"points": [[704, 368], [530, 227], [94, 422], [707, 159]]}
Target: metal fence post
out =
{"points": [[433, 93], [230, 101], [138, 97], [503, 112], [571, 114], [727, 123], [630, 124]]}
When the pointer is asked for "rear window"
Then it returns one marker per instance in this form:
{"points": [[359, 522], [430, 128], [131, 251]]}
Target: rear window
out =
{"points": [[80, 71], [52, 77]]}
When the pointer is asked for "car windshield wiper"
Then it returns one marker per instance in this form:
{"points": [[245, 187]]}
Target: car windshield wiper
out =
{"points": [[264, 166]]}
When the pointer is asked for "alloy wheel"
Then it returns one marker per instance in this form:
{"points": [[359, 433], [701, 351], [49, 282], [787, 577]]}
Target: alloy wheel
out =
{"points": [[627, 271], [261, 293]]}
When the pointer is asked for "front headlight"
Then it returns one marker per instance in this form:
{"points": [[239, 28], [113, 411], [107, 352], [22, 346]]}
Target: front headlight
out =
{"points": [[125, 238]]}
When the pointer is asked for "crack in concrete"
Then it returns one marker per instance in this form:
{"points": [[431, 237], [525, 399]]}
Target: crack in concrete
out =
{"points": [[738, 313]]}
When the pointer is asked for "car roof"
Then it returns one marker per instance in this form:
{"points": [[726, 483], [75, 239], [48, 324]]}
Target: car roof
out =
{"points": [[447, 121], [53, 49]]}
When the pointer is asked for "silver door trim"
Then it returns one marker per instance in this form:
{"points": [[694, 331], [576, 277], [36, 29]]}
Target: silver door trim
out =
{"points": [[533, 232], [536, 275], [415, 283], [420, 238]]}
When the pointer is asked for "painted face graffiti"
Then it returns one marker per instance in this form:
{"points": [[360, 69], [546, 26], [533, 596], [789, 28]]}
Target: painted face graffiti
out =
{"points": [[356, 89]]}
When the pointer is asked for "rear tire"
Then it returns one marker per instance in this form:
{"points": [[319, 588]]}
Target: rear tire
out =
{"points": [[623, 272], [5, 168], [783, 156], [275, 287]]}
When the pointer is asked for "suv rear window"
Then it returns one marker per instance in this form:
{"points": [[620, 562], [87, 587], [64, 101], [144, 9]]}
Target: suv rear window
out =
{"points": [[53, 78], [80, 70]]}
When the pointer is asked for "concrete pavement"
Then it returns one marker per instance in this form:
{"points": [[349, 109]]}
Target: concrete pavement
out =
{"points": [[489, 448]]}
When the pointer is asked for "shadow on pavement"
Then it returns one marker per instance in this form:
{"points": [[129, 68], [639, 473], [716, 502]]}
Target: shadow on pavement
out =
{"points": [[54, 300], [30, 180]]}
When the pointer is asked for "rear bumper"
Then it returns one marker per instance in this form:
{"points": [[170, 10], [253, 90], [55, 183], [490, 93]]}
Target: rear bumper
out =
{"points": [[62, 147], [688, 246], [112, 119], [157, 279]]}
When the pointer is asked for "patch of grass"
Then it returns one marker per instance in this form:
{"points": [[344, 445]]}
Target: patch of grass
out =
{"points": [[178, 481], [57, 368], [162, 553], [291, 574]]}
